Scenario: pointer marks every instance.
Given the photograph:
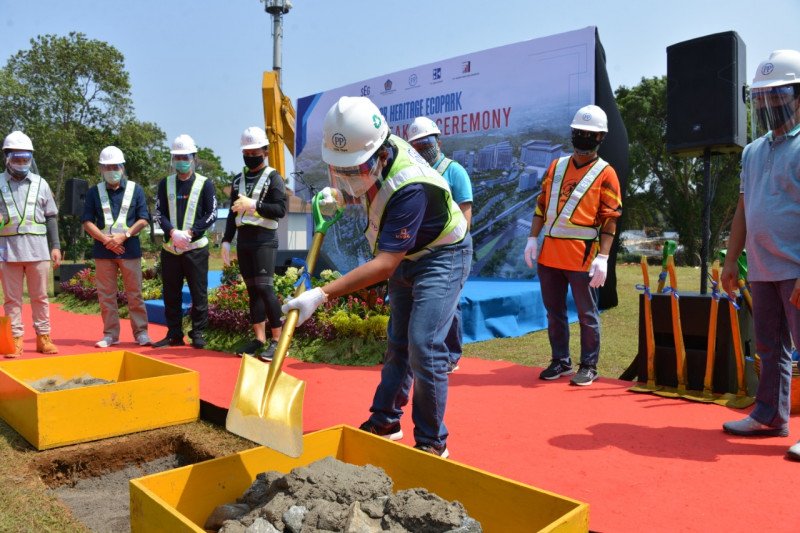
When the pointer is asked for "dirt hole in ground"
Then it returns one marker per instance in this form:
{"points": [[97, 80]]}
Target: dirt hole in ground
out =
{"points": [[91, 479]]}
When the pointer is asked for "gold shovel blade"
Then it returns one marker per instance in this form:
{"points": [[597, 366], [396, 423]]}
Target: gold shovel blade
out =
{"points": [[271, 418]]}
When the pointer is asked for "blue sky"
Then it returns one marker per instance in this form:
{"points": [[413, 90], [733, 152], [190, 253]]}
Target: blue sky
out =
{"points": [[196, 66]]}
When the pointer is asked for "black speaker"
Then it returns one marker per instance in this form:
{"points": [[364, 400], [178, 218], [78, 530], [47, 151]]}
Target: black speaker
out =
{"points": [[695, 310], [283, 260], [705, 86], [75, 190]]}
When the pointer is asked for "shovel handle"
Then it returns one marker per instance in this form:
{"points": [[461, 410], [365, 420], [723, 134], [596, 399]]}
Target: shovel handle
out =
{"points": [[677, 330], [321, 224], [648, 327], [711, 345]]}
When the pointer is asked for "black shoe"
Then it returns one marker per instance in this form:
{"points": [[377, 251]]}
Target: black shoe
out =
{"points": [[452, 367], [268, 352], [391, 432], [585, 376], [556, 370], [252, 347], [198, 341], [169, 341], [441, 451]]}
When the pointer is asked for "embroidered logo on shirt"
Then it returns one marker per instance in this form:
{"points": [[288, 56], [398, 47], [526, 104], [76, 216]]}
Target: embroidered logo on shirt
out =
{"points": [[403, 234]]}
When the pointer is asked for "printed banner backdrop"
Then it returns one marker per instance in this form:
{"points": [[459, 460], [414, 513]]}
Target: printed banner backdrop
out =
{"points": [[504, 114]]}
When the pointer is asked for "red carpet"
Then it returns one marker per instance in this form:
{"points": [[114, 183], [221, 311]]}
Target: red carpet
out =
{"points": [[642, 462]]}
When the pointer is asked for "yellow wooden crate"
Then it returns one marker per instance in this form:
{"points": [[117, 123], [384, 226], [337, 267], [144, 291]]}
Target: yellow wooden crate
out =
{"points": [[181, 499], [146, 394]]}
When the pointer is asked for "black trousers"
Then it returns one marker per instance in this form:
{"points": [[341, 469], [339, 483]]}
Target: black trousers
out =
{"points": [[191, 266], [257, 266]]}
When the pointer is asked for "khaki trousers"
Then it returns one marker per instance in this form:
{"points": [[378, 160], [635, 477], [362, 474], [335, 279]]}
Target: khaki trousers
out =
{"points": [[36, 273], [106, 278]]}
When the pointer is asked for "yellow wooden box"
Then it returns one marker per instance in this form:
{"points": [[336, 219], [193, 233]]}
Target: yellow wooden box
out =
{"points": [[181, 499], [146, 394]]}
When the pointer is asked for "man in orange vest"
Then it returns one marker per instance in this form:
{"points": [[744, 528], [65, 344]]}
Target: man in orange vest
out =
{"points": [[577, 211]]}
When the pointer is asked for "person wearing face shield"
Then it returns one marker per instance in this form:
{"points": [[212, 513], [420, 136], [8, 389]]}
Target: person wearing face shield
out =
{"points": [[421, 244], [424, 136], [577, 213], [28, 242], [258, 201], [186, 206], [766, 223], [114, 213]]}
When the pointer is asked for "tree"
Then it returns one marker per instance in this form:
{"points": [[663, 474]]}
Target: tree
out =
{"points": [[664, 190]]}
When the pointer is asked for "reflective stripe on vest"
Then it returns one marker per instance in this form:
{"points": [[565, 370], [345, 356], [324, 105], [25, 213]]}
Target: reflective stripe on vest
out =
{"points": [[406, 169], [25, 224], [188, 217], [121, 224], [561, 226], [255, 219], [441, 166]]}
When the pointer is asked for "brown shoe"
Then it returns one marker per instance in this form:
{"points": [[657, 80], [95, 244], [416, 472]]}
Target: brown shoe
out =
{"points": [[45, 345], [17, 349]]}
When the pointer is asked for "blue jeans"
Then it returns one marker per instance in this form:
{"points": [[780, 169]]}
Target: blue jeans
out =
{"points": [[423, 296], [454, 337], [554, 283], [774, 318]]}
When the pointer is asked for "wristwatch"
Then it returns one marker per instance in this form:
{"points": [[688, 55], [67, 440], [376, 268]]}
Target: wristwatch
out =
{"points": [[127, 234]]}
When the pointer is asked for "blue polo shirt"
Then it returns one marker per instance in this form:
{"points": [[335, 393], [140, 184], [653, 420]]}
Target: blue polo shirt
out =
{"points": [[456, 176], [414, 217], [93, 212]]}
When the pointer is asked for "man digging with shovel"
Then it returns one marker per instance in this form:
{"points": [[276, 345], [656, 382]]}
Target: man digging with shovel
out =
{"points": [[420, 243]]}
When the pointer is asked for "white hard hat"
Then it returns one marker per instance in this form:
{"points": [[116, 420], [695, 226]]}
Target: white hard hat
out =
{"points": [[183, 144], [111, 155], [590, 118], [782, 68], [422, 127], [353, 130], [254, 137], [16, 140]]}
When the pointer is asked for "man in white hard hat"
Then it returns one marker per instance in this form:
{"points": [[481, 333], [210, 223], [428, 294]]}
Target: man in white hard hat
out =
{"points": [[577, 212], [421, 244], [424, 136], [258, 199], [186, 206], [766, 222], [114, 213], [28, 241]]}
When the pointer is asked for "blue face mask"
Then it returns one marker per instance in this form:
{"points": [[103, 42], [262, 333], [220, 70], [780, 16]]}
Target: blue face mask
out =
{"points": [[183, 167], [112, 177]]}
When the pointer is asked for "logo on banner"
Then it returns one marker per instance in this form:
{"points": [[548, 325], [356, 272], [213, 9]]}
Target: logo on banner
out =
{"points": [[412, 80], [466, 67], [437, 73], [387, 86], [365, 90]]}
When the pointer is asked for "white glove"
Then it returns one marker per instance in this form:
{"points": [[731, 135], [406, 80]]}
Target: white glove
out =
{"points": [[331, 201], [306, 303], [226, 253], [244, 204], [598, 271], [531, 251], [180, 239]]}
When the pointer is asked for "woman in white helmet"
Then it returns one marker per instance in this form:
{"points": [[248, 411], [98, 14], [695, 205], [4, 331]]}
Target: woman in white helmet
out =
{"points": [[420, 243], [258, 197], [114, 213], [766, 222], [28, 241]]}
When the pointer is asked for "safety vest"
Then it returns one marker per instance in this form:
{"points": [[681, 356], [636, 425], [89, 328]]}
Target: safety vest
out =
{"points": [[407, 169], [442, 165], [560, 223], [121, 224], [26, 223], [189, 216], [255, 219]]}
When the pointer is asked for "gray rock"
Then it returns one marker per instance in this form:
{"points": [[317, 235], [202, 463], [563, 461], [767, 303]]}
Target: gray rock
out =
{"points": [[228, 511], [261, 526], [293, 518], [359, 522], [232, 526], [469, 525], [376, 507]]}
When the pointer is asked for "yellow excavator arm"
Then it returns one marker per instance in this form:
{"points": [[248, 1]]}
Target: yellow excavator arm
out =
{"points": [[279, 121]]}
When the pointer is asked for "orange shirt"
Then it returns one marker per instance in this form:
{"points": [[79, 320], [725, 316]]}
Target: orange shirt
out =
{"points": [[601, 202]]}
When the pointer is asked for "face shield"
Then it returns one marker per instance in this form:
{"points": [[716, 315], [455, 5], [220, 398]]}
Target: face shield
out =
{"points": [[427, 147], [774, 109], [182, 163], [356, 181], [112, 174], [19, 163]]}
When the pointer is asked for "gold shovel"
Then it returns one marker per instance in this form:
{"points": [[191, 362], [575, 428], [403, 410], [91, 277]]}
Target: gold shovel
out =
{"points": [[740, 400], [707, 395], [650, 386], [267, 405], [677, 332]]}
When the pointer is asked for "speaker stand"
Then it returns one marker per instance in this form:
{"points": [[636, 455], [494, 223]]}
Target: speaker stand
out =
{"points": [[708, 198]]}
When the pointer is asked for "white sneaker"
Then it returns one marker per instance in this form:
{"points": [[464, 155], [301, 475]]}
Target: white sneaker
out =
{"points": [[143, 339], [105, 342]]}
